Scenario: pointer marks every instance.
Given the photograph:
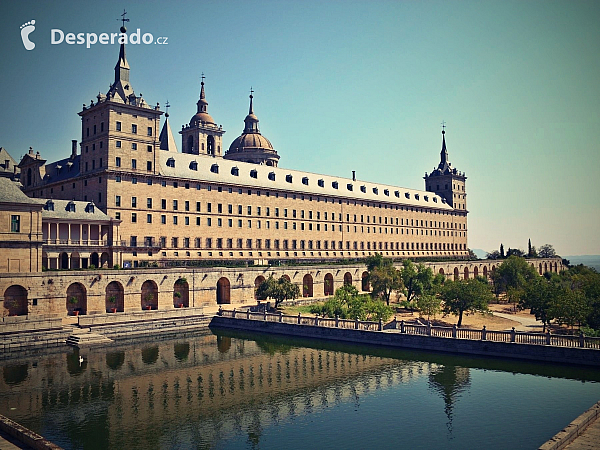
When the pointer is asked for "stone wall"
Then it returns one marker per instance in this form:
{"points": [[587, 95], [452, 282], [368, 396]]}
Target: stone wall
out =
{"points": [[203, 287]]}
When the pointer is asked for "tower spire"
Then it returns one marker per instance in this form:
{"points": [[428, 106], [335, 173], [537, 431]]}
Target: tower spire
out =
{"points": [[122, 67], [444, 152], [251, 110], [202, 103], [251, 120]]}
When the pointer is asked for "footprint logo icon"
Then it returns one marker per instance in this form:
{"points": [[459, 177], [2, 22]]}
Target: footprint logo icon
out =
{"points": [[26, 29]]}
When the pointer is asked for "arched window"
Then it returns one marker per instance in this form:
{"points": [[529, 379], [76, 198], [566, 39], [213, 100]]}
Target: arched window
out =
{"points": [[190, 144], [210, 145]]}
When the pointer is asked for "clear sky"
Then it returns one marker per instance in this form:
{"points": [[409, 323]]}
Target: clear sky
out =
{"points": [[351, 85]]}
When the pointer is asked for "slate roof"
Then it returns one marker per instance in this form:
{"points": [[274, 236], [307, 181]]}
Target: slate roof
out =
{"points": [[268, 177], [82, 210], [62, 170], [10, 192]]}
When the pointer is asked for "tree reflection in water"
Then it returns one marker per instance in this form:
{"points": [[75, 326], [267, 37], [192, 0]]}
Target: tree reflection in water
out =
{"points": [[449, 382]]}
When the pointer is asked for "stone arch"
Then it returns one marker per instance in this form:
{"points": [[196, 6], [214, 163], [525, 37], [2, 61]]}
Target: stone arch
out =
{"points": [[456, 275], [150, 355], [95, 259], [475, 272], [75, 260], [366, 286], [286, 277], [257, 282], [223, 291], [441, 271], [328, 284], [76, 299], [347, 278], [210, 145], [149, 295], [545, 267], [15, 301], [64, 260], [181, 293], [307, 285], [485, 271], [104, 260], [466, 273], [556, 267], [114, 291], [540, 269]]}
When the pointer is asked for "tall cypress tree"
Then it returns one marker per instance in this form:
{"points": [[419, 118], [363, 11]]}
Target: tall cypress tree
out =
{"points": [[529, 253], [501, 251]]}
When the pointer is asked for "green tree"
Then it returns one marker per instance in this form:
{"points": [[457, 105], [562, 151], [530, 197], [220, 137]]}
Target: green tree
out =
{"points": [[419, 280], [501, 251], [493, 255], [472, 254], [540, 297], [384, 280], [547, 251], [466, 296], [347, 303], [278, 290], [429, 305], [515, 252], [512, 276]]}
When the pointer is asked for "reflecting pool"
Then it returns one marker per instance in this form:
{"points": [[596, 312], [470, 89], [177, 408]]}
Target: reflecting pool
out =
{"points": [[232, 390]]}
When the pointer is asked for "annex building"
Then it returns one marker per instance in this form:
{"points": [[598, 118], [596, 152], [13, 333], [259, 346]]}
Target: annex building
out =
{"points": [[126, 195]]}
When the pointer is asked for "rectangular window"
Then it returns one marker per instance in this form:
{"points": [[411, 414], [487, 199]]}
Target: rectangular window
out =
{"points": [[134, 128], [118, 126], [208, 221], [174, 205], [198, 206], [187, 220], [187, 205], [133, 146], [149, 131], [149, 148], [15, 224], [118, 144], [186, 242], [133, 217], [134, 202], [149, 218], [133, 164], [163, 219], [118, 200], [149, 165], [174, 220], [209, 207], [118, 161]]}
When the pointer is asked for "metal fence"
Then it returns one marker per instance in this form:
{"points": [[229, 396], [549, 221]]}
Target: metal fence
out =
{"points": [[517, 337]]}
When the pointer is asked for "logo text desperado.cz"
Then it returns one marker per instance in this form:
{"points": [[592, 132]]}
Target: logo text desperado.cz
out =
{"points": [[57, 36]]}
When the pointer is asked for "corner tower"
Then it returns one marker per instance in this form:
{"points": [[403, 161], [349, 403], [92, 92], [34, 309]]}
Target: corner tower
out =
{"points": [[202, 136], [446, 181], [252, 146]]}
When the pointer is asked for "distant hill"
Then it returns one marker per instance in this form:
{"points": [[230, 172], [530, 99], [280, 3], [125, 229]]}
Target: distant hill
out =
{"points": [[586, 260], [480, 253]]}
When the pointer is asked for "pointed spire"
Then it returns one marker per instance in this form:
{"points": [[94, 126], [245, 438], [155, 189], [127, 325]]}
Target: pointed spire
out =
{"points": [[202, 103], [251, 120], [444, 152], [166, 139]]}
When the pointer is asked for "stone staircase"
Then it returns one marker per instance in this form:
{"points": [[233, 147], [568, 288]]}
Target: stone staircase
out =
{"points": [[84, 337]]}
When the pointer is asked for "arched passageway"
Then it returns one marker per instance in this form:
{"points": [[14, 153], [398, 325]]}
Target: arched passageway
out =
{"points": [[466, 273], [64, 260], [149, 295], [95, 260], [540, 270], [76, 299], [114, 297], [441, 271], [15, 301], [257, 282], [223, 291], [307, 285], [181, 294], [328, 285], [366, 286], [347, 278], [104, 260], [475, 272], [485, 271], [456, 275]]}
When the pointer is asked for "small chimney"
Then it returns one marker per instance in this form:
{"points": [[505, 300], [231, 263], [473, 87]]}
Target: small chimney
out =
{"points": [[73, 148], [354, 175]]}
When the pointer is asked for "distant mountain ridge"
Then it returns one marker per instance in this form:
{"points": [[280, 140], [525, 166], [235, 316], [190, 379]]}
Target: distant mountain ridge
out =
{"points": [[587, 260]]}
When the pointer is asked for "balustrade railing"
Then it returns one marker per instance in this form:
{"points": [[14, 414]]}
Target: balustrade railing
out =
{"points": [[517, 337], [76, 242]]}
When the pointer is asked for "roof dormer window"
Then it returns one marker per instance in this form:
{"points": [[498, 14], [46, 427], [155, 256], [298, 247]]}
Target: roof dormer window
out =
{"points": [[397, 194], [349, 186], [171, 162], [89, 208], [321, 183], [214, 168], [334, 185], [70, 207], [305, 180], [288, 178], [376, 191], [416, 196], [386, 192], [194, 165], [235, 171], [272, 176], [253, 173], [49, 205], [407, 195], [363, 189]]}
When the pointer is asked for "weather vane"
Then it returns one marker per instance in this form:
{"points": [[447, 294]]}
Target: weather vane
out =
{"points": [[123, 19], [251, 90], [167, 106], [443, 125]]}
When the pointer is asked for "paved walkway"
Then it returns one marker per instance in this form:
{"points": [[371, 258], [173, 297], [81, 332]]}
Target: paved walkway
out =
{"points": [[588, 440], [529, 324]]}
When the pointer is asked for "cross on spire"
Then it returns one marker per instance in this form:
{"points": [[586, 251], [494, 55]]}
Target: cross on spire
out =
{"points": [[443, 127], [123, 19], [251, 91], [167, 106], [202, 77]]}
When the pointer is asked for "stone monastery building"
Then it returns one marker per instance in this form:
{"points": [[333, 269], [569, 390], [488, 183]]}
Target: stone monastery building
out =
{"points": [[126, 195]]}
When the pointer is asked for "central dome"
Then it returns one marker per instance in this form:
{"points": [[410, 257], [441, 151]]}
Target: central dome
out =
{"points": [[252, 146], [201, 117]]}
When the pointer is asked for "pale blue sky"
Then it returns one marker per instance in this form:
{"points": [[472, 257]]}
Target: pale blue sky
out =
{"points": [[342, 86]]}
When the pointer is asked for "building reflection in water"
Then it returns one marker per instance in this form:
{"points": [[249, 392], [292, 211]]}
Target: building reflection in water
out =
{"points": [[197, 391]]}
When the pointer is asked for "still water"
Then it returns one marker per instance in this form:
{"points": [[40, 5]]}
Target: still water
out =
{"points": [[229, 391]]}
